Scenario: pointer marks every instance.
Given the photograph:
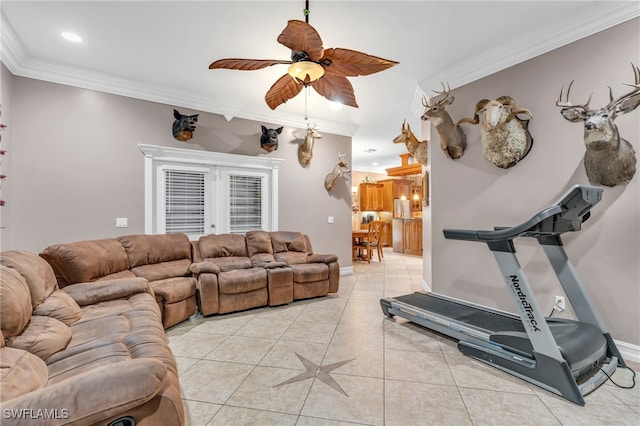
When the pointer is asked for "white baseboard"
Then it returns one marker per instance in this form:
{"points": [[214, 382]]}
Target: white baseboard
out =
{"points": [[629, 352], [346, 270]]}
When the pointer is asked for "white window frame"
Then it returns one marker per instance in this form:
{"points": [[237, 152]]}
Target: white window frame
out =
{"points": [[225, 179], [160, 158], [209, 213]]}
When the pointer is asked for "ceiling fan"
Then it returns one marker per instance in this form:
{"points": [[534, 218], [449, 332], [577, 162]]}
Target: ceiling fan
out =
{"points": [[326, 70]]}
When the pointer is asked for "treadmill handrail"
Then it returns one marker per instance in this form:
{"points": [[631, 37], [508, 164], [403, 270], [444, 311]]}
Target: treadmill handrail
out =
{"points": [[567, 214], [504, 233]]}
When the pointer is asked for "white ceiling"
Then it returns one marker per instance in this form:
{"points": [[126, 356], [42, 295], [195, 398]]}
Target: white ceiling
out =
{"points": [[160, 51]]}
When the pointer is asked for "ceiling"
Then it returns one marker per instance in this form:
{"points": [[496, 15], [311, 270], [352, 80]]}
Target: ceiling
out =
{"points": [[160, 51]]}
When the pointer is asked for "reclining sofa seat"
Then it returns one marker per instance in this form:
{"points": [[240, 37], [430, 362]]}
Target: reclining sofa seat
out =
{"points": [[164, 260], [313, 274], [227, 280], [94, 352]]}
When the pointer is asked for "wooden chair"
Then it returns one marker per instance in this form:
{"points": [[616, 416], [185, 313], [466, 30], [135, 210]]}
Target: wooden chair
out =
{"points": [[372, 241]]}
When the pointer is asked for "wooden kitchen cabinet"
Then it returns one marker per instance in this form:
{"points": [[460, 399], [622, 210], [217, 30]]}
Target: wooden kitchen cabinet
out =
{"points": [[413, 236], [407, 236], [371, 197], [416, 203], [402, 188]]}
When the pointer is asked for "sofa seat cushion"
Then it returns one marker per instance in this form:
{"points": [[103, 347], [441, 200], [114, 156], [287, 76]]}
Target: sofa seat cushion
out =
{"points": [[173, 290], [310, 272], [60, 306], [22, 372], [15, 302], [43, 336], [242, 280], [85, 261], [230, 263], [291, 257], [160, 271], [136, 332]]}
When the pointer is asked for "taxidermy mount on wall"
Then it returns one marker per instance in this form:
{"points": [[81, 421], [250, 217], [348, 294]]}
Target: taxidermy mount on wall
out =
{"points": [[269, 138], [305, 152], [417, 148], [184, 125], [339, 169], [609, 159], [453, 141], [505, 137]]}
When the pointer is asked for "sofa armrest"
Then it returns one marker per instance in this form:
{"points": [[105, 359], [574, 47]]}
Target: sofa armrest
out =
{"points": [[322, 258], [93, 397], [102, 291], [202, 267]]}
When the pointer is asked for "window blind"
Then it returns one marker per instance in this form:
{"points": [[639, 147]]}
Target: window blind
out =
{"points": [[245, 203], [184, 202]]}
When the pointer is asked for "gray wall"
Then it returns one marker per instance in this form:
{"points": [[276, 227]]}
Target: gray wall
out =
{"points": [[472, 193], [75, 166]]}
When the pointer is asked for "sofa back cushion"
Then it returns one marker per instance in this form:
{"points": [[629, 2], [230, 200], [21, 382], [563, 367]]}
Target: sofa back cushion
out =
{"points": [[259, 246], [290, 247], [85, 261], [36, 271], [60, 306], [158, 257], [223, 245], [151, 249], [15, 302]]}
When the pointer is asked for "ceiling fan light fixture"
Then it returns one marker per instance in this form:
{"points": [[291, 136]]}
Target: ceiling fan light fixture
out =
{"points": [[305, 72]]}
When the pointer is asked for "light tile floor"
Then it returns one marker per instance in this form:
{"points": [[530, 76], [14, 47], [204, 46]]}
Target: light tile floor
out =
{"points": [[397, 373]]}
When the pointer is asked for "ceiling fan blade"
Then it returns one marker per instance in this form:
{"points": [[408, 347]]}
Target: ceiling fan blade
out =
{"points": [[336, 88], [352, 63], [283, 89], [245, 64], [302, 37]]}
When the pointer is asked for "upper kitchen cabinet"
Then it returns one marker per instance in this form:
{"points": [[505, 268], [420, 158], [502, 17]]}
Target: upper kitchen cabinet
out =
{"points": [[371, 196]]}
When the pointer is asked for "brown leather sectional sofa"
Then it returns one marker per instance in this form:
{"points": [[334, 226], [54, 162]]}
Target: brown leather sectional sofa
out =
{"points": [[92, 353], [83, 324]]}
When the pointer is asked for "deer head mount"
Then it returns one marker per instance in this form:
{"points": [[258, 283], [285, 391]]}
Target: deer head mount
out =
{"points": [[269, 138], [453, 141], [609, 159], [339, 169], [183, 126], [305, 152], [417, 148], [505, 137]]}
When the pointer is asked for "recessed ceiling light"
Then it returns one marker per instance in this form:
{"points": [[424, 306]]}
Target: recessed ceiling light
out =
{"points": [[370, 150], [375, 163], [72, 37]]}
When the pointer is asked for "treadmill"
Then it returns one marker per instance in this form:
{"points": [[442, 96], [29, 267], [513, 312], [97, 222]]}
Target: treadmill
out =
{"points": [[568, 357]]}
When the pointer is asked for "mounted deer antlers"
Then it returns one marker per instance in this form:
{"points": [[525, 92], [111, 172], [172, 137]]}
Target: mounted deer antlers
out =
{"points": [[417, 148], [453, 141], [339, 169], [609, 159]]}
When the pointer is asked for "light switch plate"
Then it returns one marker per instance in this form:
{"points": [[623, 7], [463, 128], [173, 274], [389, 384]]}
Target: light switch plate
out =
{"points": [[122, 222], [330, 219]]}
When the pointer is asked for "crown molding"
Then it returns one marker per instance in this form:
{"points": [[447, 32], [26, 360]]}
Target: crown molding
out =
{"points": [[596, 17]]}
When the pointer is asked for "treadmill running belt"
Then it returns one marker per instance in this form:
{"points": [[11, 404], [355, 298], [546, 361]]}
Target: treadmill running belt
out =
{"points": [[489, 321]]}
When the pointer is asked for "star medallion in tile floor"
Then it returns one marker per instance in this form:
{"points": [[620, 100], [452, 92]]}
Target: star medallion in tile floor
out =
{"points": [[337, 360]]}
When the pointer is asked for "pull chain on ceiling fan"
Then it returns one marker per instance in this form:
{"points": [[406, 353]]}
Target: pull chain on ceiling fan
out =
{"points": [[326, 70]]}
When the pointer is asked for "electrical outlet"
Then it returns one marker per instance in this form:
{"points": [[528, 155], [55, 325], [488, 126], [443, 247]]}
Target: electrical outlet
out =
{"points": [[560, 303]]}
